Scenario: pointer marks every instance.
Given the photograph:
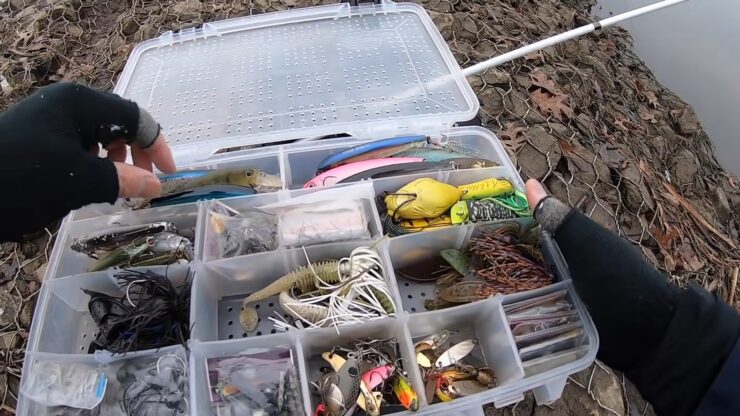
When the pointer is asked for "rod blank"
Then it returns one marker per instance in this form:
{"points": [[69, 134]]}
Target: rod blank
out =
{"points": [[554, 40]]}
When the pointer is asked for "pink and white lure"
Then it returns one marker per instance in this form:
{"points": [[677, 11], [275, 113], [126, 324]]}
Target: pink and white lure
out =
{"points": [[333, 176]]}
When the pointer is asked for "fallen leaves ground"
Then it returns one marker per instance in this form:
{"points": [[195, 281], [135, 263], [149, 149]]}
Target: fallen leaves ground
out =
{"points": [[585, 117]]}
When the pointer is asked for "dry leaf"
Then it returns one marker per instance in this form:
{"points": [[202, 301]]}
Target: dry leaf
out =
{"points": [[543, 81], [511, 131], [510, 136], [676, 198], [552, 104]]}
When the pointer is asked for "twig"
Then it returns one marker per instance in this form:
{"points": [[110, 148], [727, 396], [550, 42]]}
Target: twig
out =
{"points": [[733, 286]]}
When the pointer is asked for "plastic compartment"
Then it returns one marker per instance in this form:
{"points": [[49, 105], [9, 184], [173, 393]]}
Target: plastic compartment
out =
{"points": [[484, 321], [65, 326], [185, 218], [201, 352], [290, 199], [110, 405], [221, 286], [315, 342], [266, 160], [301, 161]]}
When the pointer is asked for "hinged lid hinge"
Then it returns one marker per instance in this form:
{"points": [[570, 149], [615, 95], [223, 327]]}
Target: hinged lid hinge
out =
{"points": [[203, 31], [356, 3]]}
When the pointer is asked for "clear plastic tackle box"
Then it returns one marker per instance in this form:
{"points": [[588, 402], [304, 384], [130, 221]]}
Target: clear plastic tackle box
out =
{"points": [[266, 91]]}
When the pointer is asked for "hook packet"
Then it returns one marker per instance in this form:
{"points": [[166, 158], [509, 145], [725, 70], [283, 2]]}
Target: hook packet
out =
{"points": [[230, 233], [74, 385], [330, 221]]}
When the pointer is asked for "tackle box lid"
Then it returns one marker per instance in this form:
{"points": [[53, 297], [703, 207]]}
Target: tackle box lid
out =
{"points": [[368, 70]]}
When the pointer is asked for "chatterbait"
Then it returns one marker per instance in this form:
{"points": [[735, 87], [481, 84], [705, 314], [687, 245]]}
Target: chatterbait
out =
{"points": [[477, 211], [333, 176], [422, 198], [356, 152]]}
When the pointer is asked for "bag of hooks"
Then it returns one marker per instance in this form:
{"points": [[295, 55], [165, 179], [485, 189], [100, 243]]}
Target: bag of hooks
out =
{"points": [[133, 386], [255, 382], [340, 220], [230, 233], [54, 383]]}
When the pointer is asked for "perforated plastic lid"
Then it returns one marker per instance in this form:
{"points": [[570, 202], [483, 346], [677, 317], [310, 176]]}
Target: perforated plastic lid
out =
{"points": [[302, 73]]}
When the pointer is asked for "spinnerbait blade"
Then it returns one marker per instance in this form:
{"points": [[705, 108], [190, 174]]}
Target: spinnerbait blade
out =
{"points": [[456, 353]]}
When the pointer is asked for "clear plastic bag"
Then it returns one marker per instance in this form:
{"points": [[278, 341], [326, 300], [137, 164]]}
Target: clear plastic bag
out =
{"points": [[255, 382], [323, 222], [139, 385], [76, 385], [230, 233]]}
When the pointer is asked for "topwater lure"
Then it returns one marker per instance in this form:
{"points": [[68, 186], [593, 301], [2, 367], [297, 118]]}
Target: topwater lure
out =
{"points": [[372, 150]]}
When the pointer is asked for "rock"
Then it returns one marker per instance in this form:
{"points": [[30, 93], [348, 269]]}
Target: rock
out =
{"points": [[602, 214], [571, 194], [146, 31], [9, 306], [129, 26], [20, 4], [540, 155], [75, 31], [443, 21], [10, 340], [495, 76], [26, 315], [722, 205], [635, 194], [187, 10], [684, 167], [41, 272], [688, 122]]}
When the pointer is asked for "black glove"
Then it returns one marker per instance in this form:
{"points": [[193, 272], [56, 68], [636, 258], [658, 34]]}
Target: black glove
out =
{"points": [[49, 144], [671, 343]]}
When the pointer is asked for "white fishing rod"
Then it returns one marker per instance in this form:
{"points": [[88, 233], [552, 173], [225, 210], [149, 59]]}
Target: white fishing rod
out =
{"points": [[574, 33], [438, 83]]}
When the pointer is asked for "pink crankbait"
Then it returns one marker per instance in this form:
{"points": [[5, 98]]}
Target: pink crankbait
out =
{"points": [[333, 176]]}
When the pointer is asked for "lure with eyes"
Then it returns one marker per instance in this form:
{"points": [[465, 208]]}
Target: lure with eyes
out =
{"points": [[195, 185]]}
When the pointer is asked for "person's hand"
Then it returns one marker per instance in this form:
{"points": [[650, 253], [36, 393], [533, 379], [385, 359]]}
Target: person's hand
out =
{"points": [[548, 211], [49, 163], [535, 193]]}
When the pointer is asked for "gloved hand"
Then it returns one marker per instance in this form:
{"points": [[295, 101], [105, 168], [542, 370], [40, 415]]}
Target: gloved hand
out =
{"points": [[49, 164], [671, 343]]}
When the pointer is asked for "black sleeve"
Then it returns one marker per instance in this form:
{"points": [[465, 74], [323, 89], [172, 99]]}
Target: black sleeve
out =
{"points": [[46, 169], [670, 342]]}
